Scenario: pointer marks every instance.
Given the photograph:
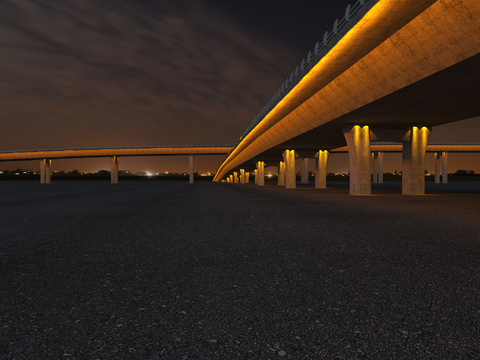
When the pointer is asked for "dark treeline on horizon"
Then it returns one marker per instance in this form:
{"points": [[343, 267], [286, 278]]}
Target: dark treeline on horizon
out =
{"points": [[21, 174]]}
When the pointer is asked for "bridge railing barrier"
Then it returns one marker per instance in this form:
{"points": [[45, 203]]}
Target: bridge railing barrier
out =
{"points": [[340, 27]]}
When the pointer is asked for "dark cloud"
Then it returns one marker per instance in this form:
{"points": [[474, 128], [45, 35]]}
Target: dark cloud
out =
{"points": [[142, 72], [101, 73]]}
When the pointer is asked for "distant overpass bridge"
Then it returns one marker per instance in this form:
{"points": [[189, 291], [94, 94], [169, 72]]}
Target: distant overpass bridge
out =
{"points": [[390, 70], [46, 156]]}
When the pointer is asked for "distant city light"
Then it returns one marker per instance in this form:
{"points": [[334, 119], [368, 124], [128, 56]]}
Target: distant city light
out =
{"points": [[149, 174]]}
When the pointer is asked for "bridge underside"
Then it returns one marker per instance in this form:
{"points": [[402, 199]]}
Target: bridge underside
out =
{"points": [[423, 74], [447, 96]]}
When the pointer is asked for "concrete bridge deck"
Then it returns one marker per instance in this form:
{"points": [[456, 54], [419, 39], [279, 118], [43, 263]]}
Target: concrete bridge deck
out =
{"points": [[45, 156], [410, 64], [16, 155]]}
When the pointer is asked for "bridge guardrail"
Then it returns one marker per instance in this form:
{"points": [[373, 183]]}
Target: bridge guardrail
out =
{"points": [[340, 27]]}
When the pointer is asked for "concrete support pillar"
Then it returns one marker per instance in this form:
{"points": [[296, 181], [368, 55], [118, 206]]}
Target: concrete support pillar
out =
{"points": [[413, 162], [247, 177], [438, 165], [375, 167], [358, 142], [190, 169], [377, 176], [228, 179], [290, 176], [242, 176], [281, 173], [380, 167], [445, 168], [304, 171], [235, 177], [42, 171], [256, 177], [114, 169], [45, 171], [261, 173], [231, 178], [321, 169], [48, 171]]}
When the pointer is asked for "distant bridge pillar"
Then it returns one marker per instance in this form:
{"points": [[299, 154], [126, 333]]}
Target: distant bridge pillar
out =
{"points": [[114, 169], [45, 171], [445, 168], [48, 171], [377, 167], [256, 176], [231, 178], [228, 179], [281, 173], [235, 177], [358, 142], [190, 169], [413, 161], [438, 165], [261, 173], [290, 176], [304, 171], [242, 176], [321, 169], [247, 177], [380, 167]]}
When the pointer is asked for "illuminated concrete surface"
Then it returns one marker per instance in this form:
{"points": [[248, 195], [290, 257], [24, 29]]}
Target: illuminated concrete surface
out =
{"points": [[321, 169], [358, 143], [290, 174], [101, 272], [242, 177], [260, 173], [16, 155], [413, 63]]}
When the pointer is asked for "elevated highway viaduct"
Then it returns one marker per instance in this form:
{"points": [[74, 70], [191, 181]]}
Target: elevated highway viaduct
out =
{"points": [[46, 156], [440, 152], [389, 72]]}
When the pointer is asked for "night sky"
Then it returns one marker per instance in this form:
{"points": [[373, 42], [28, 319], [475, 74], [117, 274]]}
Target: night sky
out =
{"points": [[96, 73]]}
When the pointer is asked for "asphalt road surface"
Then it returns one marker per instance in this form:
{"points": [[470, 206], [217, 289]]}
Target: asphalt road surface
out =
{"points": [[222, 271]]}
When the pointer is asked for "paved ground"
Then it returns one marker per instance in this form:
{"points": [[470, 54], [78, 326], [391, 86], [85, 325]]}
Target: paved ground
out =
{"points": [[222, 271]]}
